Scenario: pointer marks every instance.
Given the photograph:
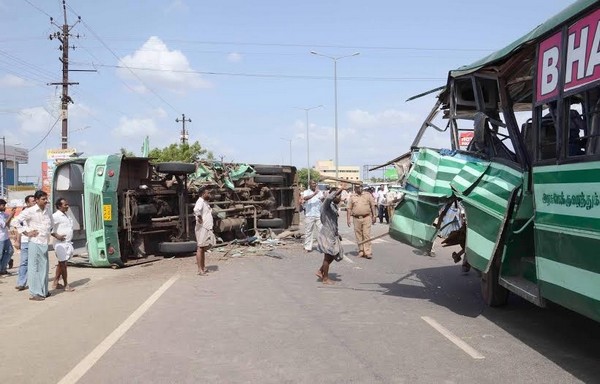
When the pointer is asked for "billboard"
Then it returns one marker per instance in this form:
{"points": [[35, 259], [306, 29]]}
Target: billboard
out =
{"points": [[464, 138], [54, 157]]}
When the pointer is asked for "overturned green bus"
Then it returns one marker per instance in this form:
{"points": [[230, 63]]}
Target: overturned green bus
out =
{"points": [[529, 178], [125, 209]]}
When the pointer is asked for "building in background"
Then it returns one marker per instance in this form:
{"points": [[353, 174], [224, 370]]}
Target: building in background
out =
{"points": [[346, 172], [11, 157]]}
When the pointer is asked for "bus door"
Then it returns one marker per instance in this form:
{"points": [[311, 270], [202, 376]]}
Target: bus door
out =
{"points": [[68, 184]]}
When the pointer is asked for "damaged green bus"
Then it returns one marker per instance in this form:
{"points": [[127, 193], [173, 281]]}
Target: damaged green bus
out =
{"points": [[523, 162]]}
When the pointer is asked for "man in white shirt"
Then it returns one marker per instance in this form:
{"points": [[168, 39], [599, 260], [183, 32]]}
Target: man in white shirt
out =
{"points": [[23, 247], [381, 208], [36, 223], [63, 226], [205, 237], [6, 249], [313, 199]]}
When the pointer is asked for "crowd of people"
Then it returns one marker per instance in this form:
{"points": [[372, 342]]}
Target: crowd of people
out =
{"points": [[36, 228]]}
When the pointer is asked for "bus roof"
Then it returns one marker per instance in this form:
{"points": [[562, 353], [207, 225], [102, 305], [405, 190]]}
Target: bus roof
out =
{"points": [[539, 31]]}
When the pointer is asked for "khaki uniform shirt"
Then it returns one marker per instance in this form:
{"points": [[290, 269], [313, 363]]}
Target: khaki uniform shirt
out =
{"points": [[361, 205]]}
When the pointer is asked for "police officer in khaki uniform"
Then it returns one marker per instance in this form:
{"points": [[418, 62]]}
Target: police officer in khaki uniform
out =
{"points": [[361, 208]]}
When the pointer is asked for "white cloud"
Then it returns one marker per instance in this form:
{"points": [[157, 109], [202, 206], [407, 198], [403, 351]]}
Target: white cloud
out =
{"points": [[234, 57], [159, 113], [164, 68], [12, 81], [388, 118], [364, 137], [177, 6], [35, 120], [134, 128]]}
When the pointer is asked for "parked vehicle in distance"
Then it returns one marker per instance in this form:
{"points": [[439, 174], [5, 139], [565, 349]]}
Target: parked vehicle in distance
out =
{"points": [[127, 208]]}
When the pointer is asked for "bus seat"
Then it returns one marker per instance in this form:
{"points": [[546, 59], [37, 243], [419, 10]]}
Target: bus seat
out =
{"points": [[576, 126], [547, 138], [527, 136], [593, 142]]}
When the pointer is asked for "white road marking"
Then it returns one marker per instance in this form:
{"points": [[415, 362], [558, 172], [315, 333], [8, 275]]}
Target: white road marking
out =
{"points": [[453, 338], [348, 259], [92, 358]]}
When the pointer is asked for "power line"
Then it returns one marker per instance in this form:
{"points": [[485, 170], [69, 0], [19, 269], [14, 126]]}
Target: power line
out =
{"points": [[362, 47], [45, 136], [281, 76], [89, 28], [38, 8]]}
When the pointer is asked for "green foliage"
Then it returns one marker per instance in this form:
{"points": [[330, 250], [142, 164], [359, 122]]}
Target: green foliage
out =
{"points": [[303, 176], [127, 153], [187, 153]]}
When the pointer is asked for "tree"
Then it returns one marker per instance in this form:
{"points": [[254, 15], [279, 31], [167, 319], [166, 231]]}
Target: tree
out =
{"points": [[187, 153], [127, 153], [303, 176]]}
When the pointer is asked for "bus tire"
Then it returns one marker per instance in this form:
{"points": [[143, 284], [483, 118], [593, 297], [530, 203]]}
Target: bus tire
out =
{"points": [[270, 223], [177, 247], [176, 168], [269, 179], [494, 295], [268, 169]]}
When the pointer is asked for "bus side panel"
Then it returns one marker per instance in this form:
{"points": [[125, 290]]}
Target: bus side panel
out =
{"points": [[567, 235], [412, 222], [101, 209], [486, 204], [427, 191]]}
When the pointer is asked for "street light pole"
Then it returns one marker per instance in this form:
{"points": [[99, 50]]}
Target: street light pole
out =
{"points": [[335, 60], [307, 140]]}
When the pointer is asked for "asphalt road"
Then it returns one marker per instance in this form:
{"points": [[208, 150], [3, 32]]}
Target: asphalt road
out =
{"points": [[260, 316]]}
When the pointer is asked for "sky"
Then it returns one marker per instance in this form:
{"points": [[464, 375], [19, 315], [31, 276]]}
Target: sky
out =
{"points": [[243, 73]]}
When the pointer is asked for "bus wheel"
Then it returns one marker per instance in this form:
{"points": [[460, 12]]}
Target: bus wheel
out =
{"points": [[268, 169], [177, 247], [176, 168], [269, 179], [275, 222], [493, 293]]}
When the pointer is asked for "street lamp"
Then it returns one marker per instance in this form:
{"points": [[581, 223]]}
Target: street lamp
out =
{"points": [[290, 140], [335, 60], [15, 168], [307, 141]]}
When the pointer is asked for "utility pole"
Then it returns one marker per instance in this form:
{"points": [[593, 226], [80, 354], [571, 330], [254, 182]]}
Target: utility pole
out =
{"points": [[3, 169], [63, 36], [184, 133]]}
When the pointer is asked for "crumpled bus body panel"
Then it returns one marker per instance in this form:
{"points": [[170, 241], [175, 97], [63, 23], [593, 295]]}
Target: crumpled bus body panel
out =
{"points": [[441, 176]]}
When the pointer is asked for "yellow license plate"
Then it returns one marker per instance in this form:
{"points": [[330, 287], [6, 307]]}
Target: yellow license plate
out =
{"points": [[107, 212]]}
